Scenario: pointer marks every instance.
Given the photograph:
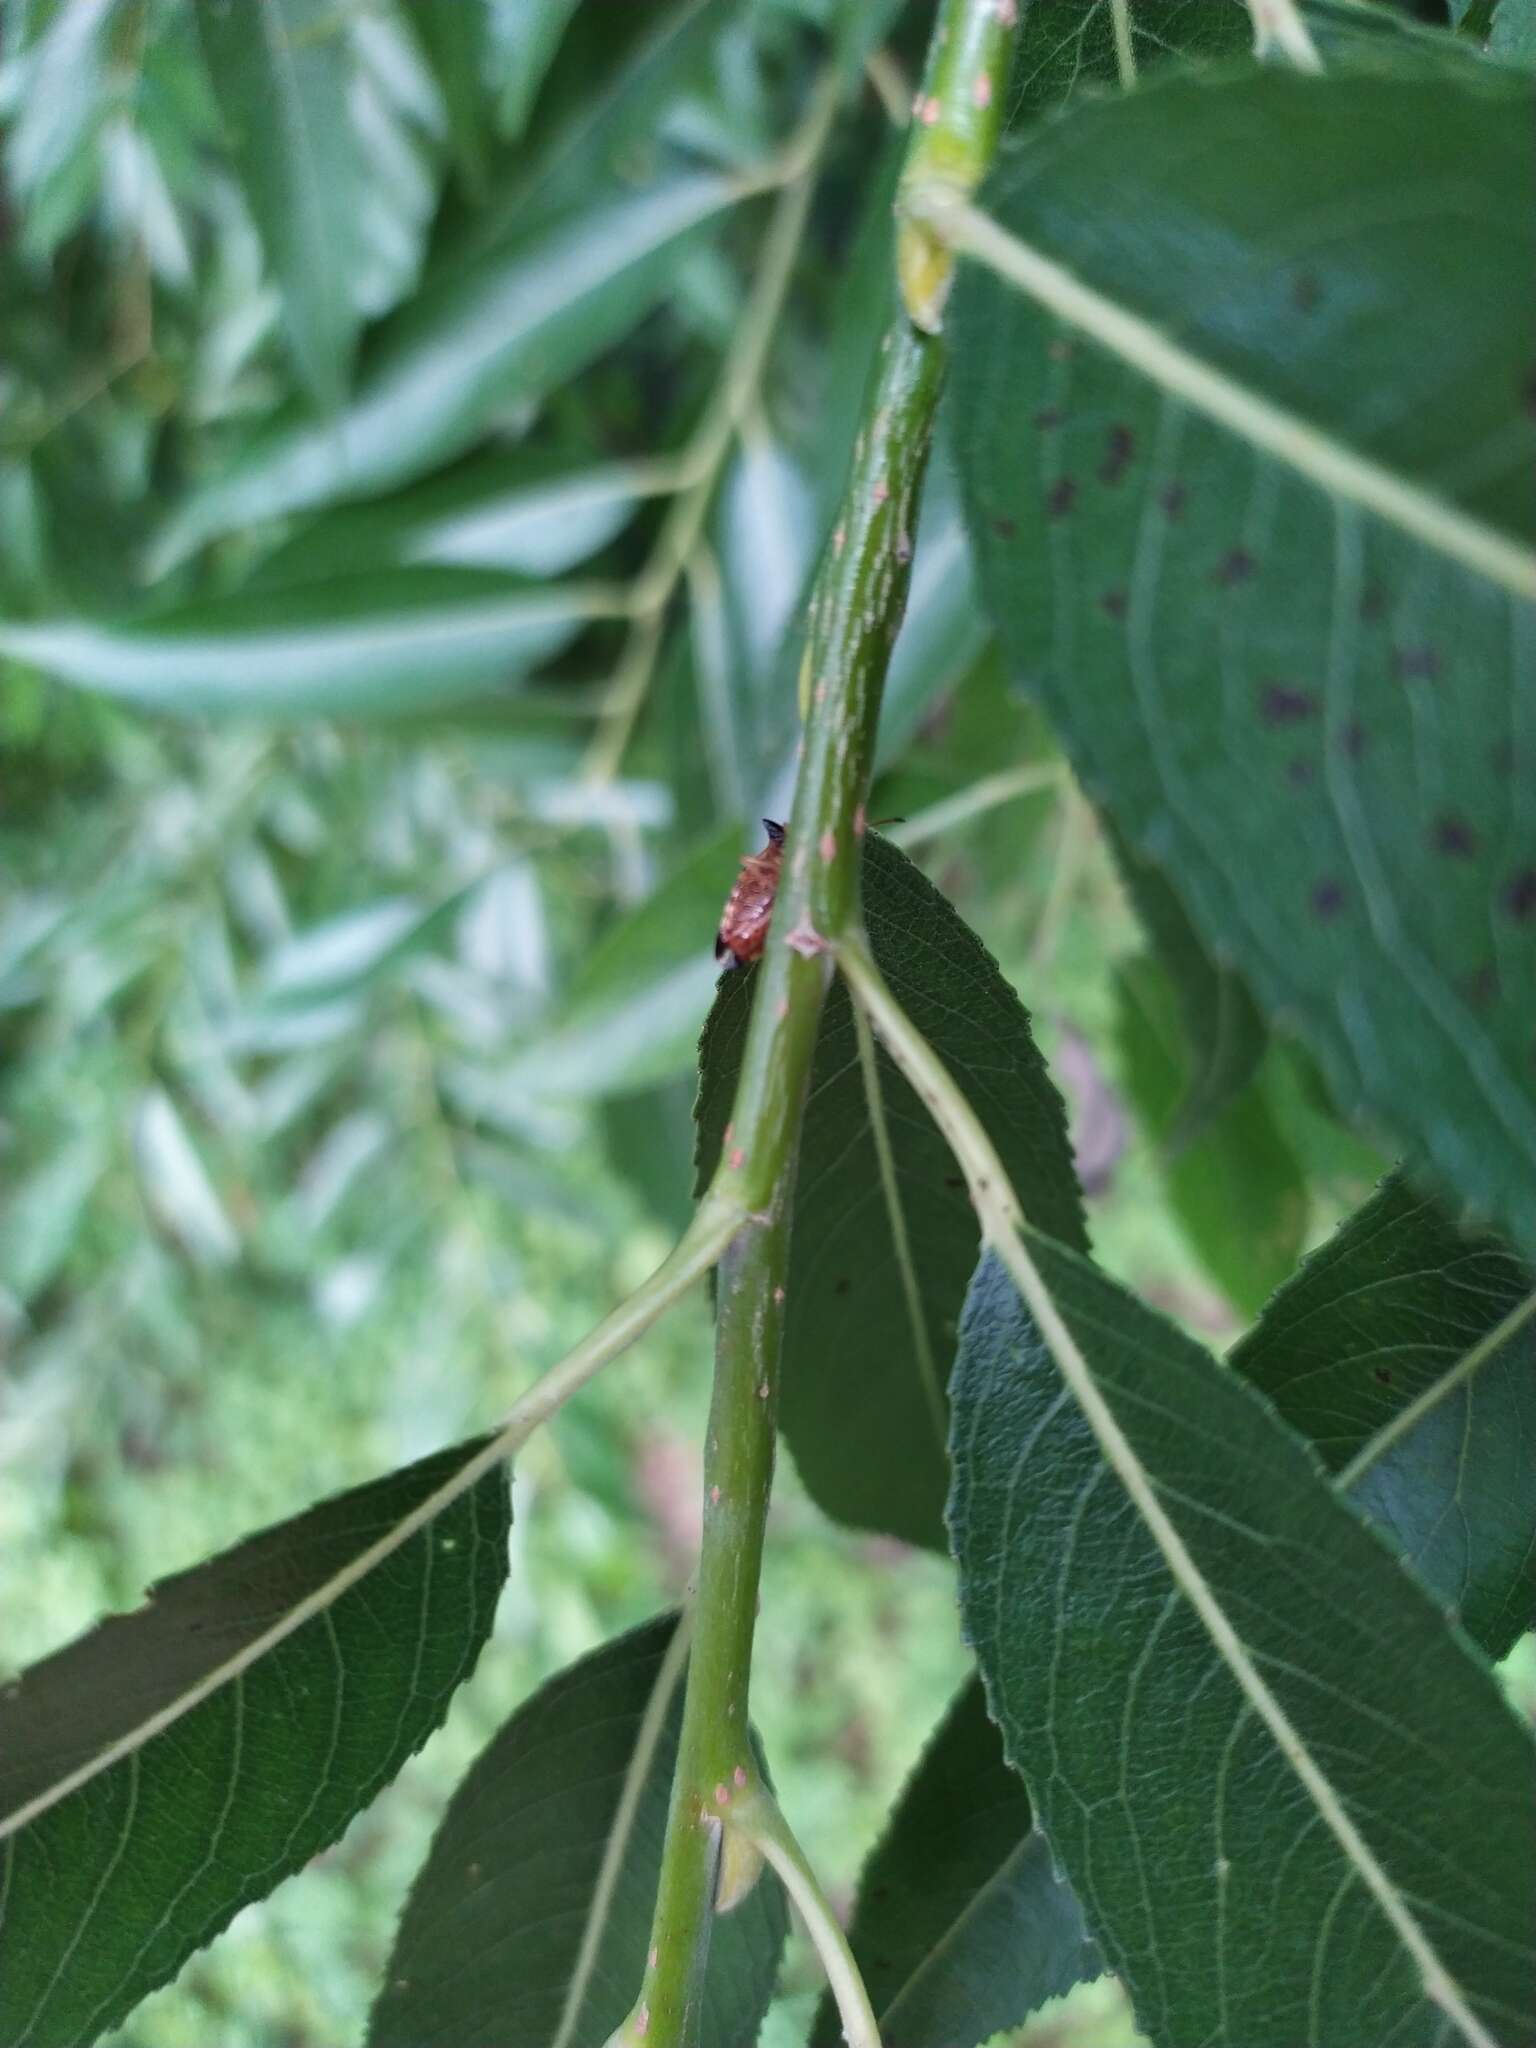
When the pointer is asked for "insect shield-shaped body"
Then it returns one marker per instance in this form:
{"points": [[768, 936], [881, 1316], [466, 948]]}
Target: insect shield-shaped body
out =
{"points": [[749, 907]]}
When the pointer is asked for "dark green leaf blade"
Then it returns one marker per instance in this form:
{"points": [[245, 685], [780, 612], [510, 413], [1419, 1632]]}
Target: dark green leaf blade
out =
{"points": [[1224, 1034], [490, 1947], [1214, 1875], [1312, 716], [862, 1406], [402, 641], [962, 1927], [475, 338], [281, 72], [166, 1793], [1376, 1322], [1237, 1188], [1068, 46]]}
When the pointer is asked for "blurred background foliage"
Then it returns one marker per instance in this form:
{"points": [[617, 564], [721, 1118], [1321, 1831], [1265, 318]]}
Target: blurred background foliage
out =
{"points": [[417, 426]]}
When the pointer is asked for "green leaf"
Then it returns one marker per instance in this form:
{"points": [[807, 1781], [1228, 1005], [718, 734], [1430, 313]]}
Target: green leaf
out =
{"points": [[1513, 34], [633, 1014], [1294, 1805], [490, 513], [282, 73], [514, 1931], [178, 1762], [962, 1927], [38, 1219], [1289, 652], [1067, 47], [1363, 1354], [1237, 1188], [362, 646], [476, 338], [526, 35], [1224, 1035], [647, 1135], [863, 1404], [456, 41], [54, 98]]}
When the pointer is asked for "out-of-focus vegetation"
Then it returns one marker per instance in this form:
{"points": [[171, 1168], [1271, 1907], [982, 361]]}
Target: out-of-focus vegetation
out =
{"points": [[346, 1066]]}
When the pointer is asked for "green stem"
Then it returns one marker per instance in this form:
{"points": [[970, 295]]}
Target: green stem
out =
{"points": [[854, 615]]}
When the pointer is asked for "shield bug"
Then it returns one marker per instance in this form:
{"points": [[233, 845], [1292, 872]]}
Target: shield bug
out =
{"points": [[749, 907]]}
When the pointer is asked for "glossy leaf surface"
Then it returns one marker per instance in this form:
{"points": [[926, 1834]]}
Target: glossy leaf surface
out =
{"points": [[147, 1792], [515, 1930], [1379, 1321], [1287, 698], [1252, 1894], [863, 1404]]}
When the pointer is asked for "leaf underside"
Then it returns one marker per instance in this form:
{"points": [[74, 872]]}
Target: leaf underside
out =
{"points": [[1322, 729]]}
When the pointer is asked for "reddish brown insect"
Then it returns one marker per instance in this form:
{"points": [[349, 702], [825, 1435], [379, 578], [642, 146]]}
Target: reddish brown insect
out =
{"points": [[749, 907]]}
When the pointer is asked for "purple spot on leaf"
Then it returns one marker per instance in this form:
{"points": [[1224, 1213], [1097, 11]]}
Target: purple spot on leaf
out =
{"points": [[1415, 664], [1005, 527], [1299, 771], [1117, 455], [1454, 837], [1112, 604], [1049, 416], [1236, 566], [1520, 895], [1327, 900], [1062, 497], [1284, 704], [1173, 500], [1306, 292]]}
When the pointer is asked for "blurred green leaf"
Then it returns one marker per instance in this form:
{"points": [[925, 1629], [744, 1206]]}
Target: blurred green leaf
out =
{"points": [[635, 1006], [178, 1762], [492, 1945], [961, 1927], [1514, 31], [525, 35], [649, 1135], [864, 1407], [456, 40], [1224, 1035], [283, 74], [178, 1188], [1244, 666], [39, 1218], [1374, 1332], [54, 95], [475, 339], [1253, 1888], [1067, 47], [405, 640], [1236, 1188], [493, 512]]}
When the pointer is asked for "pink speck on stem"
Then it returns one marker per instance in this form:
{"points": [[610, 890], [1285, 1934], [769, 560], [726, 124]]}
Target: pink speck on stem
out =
{"points": [[882, 491], [722, 1795], [930, 113], [738, 1159], [981, 92], [1008, 13], [829, 845], [643, 2020], [860, 822], [838, 538], [762, 1392], [740, 1776], [778, 1294], [714, 1496]]}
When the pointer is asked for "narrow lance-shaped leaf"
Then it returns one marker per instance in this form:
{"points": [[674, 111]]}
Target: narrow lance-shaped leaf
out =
{"points": [[962, 1926], [282, 72], [869, 1329], [474, 338], [1295, 1806], [178, 1762], [1366, 1353], [1286, 630], [402, 641], [529, 1921]]}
